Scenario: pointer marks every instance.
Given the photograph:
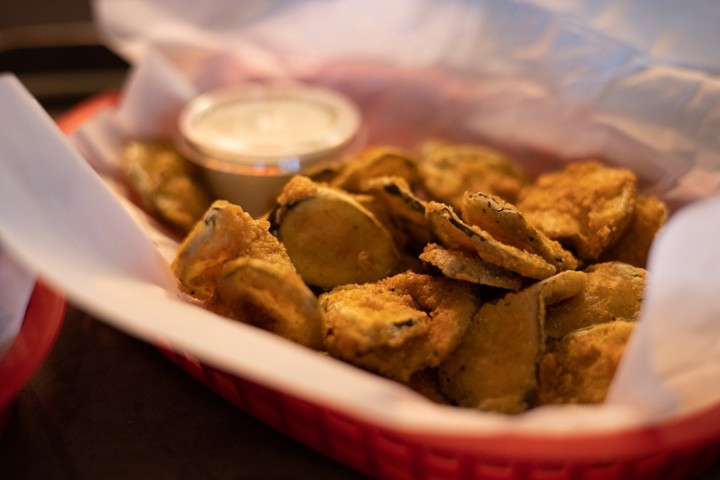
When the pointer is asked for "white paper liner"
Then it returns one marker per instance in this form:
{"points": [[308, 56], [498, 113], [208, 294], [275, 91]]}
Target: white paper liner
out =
{"points": [[524, 75]]}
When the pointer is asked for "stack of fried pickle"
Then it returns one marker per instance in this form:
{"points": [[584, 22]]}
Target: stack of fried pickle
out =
{"points": [[447, 268]]}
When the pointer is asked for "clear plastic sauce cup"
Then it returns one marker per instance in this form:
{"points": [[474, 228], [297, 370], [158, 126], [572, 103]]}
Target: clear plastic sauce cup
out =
{"points": [[249, 139]]}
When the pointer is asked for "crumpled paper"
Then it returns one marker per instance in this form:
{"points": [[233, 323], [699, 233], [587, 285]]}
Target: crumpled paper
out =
{"points": [[549, 81], [636, 83]]}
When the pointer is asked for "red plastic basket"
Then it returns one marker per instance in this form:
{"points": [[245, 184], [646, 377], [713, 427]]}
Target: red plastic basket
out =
{"points": [[43, 318], [677, 449]]}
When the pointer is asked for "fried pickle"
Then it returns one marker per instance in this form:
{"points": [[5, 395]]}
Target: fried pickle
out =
{"points": [[580, 367], [449, 170], [468, 268], [377, 161], [613, 290], [269, 296], [226, 232], [494, 366], [455, 234], [507, 224], [586, 206], [404, 207], [331, 238], [633, 246], [167, 185], [399, 325]]}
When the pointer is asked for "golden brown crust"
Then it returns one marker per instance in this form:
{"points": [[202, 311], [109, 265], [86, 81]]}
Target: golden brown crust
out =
{"points": [[269, 296], [494, 367], [633, 247], [459, 265], [399, 325], [450, 170], [404, 208], [612, 290], [377, 161], [507, 224], [298, 188], [455, 234], [403, 319], [332, 238], [226, 232], [586, 206], [580, 367], [168, 185]]}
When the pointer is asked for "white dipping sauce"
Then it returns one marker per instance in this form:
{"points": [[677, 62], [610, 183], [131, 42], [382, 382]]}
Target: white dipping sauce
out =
{"points": [[251, 138]]}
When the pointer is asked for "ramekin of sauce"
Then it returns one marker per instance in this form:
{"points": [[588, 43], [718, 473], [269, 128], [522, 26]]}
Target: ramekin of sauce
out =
{"points": [[250, 138]]}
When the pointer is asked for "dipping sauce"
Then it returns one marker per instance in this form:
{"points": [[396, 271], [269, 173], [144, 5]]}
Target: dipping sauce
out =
{"points": [[251, 138]]}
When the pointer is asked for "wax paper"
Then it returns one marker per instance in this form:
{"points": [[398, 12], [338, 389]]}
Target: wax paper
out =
{"points": [[635, 85]]}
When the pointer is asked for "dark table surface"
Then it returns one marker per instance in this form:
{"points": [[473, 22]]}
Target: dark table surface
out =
{"points": [[107, 406]]}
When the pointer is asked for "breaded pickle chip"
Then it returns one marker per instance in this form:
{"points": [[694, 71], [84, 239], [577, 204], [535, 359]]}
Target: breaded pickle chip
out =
{"points": [[450, 170], [167, 184], [455, 234], [649, 216], [507, 224], [586, 206], [580, 367], [494, 366], [226, 232], [408, 246], [560, 287], [406, 209], [269, 296], [378, 161], [548, 333], [613, 290], [459, 265], [331, 238], [399, 325]]}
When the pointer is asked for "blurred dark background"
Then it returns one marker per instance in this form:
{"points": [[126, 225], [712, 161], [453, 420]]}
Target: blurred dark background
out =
{"points": [[53, 47]]}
